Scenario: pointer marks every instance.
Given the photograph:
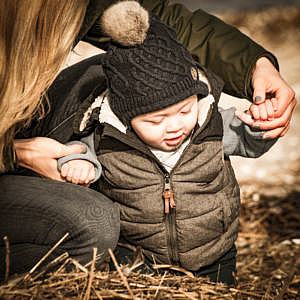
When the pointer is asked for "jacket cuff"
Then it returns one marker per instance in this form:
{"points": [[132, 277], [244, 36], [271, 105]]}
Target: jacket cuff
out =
{"points": [[88, 156]]}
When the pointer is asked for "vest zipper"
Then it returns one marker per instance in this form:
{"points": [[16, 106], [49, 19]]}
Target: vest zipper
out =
{"points": [[168, 195], [170, 218], [170, 205]]}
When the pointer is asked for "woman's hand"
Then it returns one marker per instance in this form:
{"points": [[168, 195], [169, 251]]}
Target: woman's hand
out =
{"points": [[267, 83], [40, 154]]}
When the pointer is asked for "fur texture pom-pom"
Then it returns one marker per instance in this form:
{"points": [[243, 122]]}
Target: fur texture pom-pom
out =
{"points": [[126, 22]]}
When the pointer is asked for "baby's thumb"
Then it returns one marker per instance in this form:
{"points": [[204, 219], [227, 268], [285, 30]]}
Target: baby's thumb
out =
{"points": [[72, 149]]}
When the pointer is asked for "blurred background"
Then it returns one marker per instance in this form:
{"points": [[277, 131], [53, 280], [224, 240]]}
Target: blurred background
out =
{"points": [[275, 24], [216, 6]]}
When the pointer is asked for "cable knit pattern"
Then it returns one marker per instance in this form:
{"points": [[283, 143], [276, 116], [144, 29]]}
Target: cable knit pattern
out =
{"points": [[150, 76]]}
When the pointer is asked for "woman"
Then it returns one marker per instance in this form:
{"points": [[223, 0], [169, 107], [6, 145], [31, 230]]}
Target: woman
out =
{"points": [[36, 212]]}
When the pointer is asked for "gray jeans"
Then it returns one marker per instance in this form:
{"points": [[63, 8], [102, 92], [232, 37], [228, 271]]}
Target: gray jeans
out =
{"points": [[36, 212]]}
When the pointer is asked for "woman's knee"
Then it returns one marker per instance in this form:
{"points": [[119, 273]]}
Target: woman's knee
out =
{"points": [[98, 227], [46, 210], [91, 220]]}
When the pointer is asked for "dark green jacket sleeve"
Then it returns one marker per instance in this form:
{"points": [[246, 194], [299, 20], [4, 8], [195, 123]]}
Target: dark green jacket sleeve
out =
{"points": [[217, 45]]}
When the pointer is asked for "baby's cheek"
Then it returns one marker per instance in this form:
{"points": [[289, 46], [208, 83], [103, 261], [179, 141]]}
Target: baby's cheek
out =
{"points": [[155, 136], [191, 123]]}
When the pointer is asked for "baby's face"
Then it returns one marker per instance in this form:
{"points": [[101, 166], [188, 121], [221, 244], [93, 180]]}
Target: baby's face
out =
{"points": [[166, 129]]}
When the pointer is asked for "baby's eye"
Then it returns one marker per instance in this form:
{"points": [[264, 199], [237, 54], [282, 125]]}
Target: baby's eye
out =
{"points": [[185, 111], [155, 121]]}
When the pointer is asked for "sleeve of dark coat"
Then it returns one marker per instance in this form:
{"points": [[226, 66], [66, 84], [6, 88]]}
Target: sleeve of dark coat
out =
{"points": [[217, 45]]}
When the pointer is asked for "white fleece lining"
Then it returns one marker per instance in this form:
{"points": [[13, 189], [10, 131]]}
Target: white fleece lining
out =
{"points": [[87, 114], [204, 105], [107, 115]]}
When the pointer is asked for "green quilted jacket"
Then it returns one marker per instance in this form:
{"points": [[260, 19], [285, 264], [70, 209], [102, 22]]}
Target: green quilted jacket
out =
{"points": [[217, 45]]}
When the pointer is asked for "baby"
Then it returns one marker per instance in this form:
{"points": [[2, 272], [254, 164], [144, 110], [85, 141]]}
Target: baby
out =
{"points": [[162, 148]]}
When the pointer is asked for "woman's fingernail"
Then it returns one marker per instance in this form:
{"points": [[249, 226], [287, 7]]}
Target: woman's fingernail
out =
{"points": [[257, 98]]}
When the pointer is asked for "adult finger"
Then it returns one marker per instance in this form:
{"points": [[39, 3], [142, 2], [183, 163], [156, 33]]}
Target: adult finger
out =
{"points": [[274, 104], [274, 133], [277, 132], [263, 111], [64, 150], [259, 90], [270, 109], [284, 95], [285, 130]]}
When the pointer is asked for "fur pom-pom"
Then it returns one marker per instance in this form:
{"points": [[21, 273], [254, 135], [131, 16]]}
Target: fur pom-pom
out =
{"points": [[126, 22]]}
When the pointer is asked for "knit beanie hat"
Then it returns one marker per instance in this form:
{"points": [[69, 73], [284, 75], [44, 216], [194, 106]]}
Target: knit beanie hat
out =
{"points": [[146, 68]]}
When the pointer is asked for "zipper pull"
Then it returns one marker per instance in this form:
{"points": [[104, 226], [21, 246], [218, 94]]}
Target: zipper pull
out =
{"points": [[168, 195], [169, 201]]}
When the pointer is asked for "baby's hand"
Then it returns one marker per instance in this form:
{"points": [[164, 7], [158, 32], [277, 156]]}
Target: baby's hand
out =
{"points": [[78, 171], [264, 111], [258, 112]]}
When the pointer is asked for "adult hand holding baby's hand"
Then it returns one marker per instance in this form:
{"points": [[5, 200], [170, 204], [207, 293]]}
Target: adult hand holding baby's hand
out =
{"points": [[262, 116], [266, 81], [258, 112], [40, 154]]}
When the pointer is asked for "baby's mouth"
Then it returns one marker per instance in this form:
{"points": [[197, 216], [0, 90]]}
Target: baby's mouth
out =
{"points": [[174, 141]]}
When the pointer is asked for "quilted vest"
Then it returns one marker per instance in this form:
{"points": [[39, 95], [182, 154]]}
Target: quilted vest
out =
{"points": [[204, 223]]}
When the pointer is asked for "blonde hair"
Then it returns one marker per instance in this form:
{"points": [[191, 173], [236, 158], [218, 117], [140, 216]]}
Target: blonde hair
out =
{"points": [[36, 37]]}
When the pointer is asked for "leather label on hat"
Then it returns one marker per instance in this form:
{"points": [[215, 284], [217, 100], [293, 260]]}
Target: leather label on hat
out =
{"points": [[194, 73]]}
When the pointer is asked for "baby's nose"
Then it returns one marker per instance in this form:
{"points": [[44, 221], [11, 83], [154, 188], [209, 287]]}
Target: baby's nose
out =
{"points": [[174, 125]]}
